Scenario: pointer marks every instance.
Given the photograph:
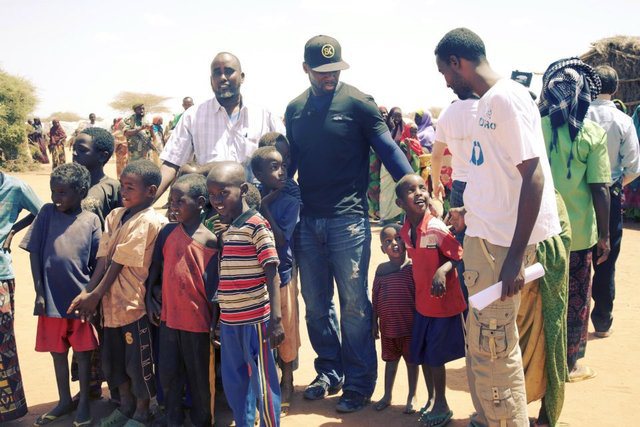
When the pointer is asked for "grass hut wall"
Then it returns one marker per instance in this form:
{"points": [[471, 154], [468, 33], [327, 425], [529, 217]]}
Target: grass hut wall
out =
{"points": [[623, 54]]}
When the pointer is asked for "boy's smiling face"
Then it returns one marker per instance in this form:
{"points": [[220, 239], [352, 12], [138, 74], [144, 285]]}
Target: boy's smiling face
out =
{"points": [[183, 207], [272, 172], [65, 198], [226, 199], [134, 191], [392, 244], [414, 196]]}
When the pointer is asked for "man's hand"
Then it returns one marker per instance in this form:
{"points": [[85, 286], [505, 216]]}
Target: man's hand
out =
{"points": [[438, 191], [455, 218], [439, 284], [602, 250], [153, 311], [512, 276], [84, 305], [266, 200], [6, 245], [375, 329], [39, 308], [275, 333]]}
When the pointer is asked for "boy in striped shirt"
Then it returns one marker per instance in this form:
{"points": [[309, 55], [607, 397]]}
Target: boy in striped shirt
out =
{"points": [[249, 300]]}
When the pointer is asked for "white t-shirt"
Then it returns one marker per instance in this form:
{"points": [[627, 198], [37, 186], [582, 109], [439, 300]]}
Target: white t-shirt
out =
{"points": [[206, 131], [507, 132], [454, 129]]}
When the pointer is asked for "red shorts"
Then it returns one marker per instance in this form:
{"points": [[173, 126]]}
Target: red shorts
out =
{"points": [[394, 348], [57, 335]]}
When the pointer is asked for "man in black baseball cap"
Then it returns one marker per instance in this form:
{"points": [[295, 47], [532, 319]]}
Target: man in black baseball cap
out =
{"points": [[331, 127]]}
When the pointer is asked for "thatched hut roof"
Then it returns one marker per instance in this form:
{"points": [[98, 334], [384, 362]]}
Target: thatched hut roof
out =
{"points": [[623, 54]]}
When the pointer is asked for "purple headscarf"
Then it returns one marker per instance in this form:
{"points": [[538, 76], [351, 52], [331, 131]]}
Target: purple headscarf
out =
{"points": [[426, 131]]}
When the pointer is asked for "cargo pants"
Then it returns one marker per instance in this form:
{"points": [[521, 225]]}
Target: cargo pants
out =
{"points": [[494, 361]]}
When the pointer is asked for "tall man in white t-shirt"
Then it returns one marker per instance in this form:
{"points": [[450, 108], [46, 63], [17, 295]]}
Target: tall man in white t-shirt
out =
{"points": [[510, 207], [223, 128]]}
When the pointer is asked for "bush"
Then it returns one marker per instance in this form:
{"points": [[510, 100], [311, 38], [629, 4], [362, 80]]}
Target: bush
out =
{"points": [[17, 99]]}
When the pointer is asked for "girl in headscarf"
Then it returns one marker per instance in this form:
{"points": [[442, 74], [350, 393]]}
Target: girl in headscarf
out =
{"points": [[57, 137], [121, 147], [426, 131], [395, 123], [38, 137], [158, 140]]}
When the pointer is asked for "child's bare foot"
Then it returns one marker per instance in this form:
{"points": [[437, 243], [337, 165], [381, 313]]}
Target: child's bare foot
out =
{"points": [[382, 403], [60, 410], [410, 407], [439, 415], [83, 415], [427, 406], [286, 392]]}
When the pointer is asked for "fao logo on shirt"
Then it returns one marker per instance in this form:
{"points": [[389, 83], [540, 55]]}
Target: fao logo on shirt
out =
{"points": [[477, 156]]}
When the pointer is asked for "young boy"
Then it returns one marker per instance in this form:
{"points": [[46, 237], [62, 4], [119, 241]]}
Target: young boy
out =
{"points": [[63, 243], [438, 335], [394, 306], [93, 148], [15, 196], [278, 140], [125, 253], [283, 213], [182, 281], [249, 298]]}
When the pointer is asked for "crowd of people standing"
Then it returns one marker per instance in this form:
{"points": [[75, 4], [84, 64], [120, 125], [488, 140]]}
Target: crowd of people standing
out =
{"points": [[258, 205]]}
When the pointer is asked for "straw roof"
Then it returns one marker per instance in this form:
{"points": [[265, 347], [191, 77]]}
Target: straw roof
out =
{"points": [[623, 54]]}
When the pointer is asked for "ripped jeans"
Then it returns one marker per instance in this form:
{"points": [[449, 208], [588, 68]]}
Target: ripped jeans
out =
{"points": [[494, 360], [338, 249]]}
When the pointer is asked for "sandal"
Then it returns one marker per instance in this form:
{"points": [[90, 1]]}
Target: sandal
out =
{"points": [[114, 419], [431, 419], [47, 418]]}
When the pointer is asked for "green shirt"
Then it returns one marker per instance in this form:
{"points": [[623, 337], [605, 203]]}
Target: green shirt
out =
{"points": [[590, 165]]}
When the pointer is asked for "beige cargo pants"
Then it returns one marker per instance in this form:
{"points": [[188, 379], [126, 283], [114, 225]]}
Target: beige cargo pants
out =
{"points": [[494, 361]]}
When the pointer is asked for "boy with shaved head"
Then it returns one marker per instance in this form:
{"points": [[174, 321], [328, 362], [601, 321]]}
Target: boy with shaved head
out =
{"points": [[249, 299]]}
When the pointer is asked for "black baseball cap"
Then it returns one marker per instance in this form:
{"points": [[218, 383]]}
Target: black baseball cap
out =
{"points": [[324, 54]]}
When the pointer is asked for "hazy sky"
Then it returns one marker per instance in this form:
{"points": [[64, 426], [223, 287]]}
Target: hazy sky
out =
{"points": [[80, 54]]}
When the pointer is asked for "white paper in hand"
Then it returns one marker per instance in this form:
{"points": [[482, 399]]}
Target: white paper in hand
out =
{"points": [[492, 293]]}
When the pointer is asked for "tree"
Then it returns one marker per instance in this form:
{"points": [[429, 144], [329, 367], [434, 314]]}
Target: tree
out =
{"points": [[64, 116], [153, 103], [17, 99]]}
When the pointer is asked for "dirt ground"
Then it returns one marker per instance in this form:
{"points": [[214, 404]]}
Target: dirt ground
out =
{"points": [[607, 400]]}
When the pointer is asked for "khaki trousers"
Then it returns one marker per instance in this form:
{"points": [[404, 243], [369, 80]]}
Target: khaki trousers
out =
{"points": [[494, 361]]}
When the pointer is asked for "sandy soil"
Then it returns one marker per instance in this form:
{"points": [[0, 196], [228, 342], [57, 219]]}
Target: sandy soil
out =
{"points": [[607, 400]]}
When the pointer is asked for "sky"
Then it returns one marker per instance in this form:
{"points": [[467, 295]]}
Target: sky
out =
{"points": [[81, 54]]}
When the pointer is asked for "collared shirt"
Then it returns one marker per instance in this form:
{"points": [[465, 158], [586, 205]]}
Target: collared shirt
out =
{"points": [[207, 132], [435, 245], [248, 246], [131, 244], [589, 165], [622, 140]]}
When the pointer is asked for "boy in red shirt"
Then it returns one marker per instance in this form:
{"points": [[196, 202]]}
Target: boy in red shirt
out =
{"points": [[182, 281], [438, 335]]}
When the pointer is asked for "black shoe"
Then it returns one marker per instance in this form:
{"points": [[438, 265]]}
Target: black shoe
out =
{"points": [[319, 389], [351, 401]]}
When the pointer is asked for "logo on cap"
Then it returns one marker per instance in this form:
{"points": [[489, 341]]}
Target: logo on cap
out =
{"points": [[328, 51]]}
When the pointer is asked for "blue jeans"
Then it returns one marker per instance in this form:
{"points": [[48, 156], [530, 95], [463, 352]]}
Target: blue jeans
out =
{"points": [[339, 249]]}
